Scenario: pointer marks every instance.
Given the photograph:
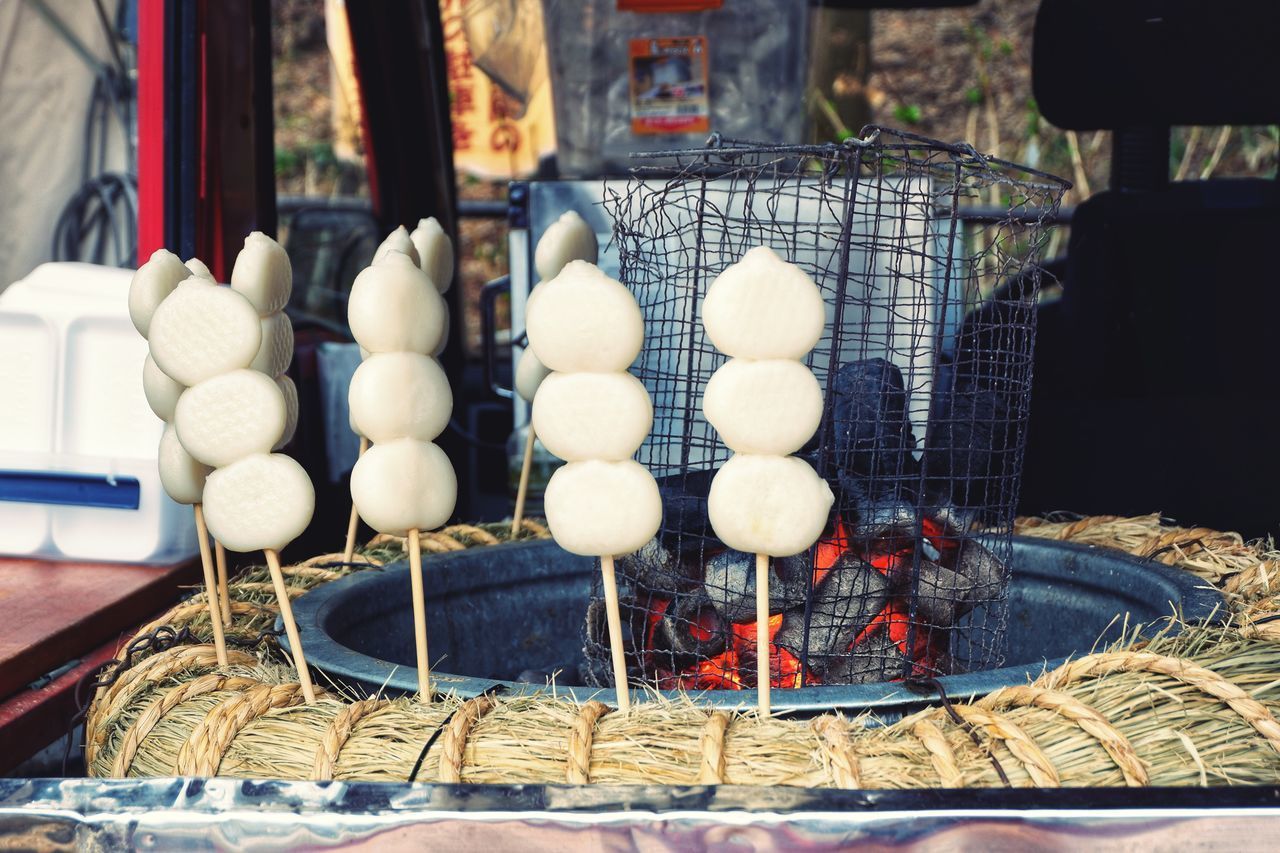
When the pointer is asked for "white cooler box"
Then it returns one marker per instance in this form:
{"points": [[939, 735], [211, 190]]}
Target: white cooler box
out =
{"points": [[78, 476]]}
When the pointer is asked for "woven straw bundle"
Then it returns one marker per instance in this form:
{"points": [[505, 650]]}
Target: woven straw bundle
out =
{"points": [[1200, 708]]}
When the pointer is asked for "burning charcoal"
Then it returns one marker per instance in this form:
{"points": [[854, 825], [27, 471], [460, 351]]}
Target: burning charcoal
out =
{"points": [[954, 520], [970, 433], [598, 668], [633, 623], [844, 602], [982, 569], [656, 569], [685, 524], [870, 431], [885, 526], [876, 658], [729, 580], [941, 595], [690, 630]]}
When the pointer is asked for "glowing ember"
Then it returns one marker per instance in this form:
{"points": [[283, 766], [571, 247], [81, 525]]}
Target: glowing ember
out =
{"points": [[735, 667]]}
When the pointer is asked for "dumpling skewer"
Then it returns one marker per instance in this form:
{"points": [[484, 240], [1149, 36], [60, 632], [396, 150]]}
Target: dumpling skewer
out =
{"points": [[766, 314], [400, 401], [263, 275], [231, 417], [182, 477], [588, 329], [431, 249], [567, 239]]}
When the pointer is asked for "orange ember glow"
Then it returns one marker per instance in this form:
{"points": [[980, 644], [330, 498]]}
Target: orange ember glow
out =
{"points": [[735, 667]]}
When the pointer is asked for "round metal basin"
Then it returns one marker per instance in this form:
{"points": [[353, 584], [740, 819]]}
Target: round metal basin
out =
{"points": [[495, 612]]}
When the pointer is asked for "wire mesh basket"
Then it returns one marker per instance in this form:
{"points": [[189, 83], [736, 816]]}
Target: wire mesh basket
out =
{"points": [[926, 254]]}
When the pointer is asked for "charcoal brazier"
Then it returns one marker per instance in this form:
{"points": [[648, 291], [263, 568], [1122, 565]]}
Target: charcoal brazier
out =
{"points": [[497, 612]]}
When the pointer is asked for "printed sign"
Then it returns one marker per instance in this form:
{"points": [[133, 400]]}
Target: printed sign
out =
{"points": [[669, 92]]}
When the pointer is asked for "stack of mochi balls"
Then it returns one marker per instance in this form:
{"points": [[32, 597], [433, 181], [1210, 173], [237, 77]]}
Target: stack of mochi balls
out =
{"points": [[215, 371], [766, 314], [399, 398], [587, 329], [231, 346]]}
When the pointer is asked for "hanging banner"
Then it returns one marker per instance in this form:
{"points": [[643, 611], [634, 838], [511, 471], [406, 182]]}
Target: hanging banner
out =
{"points": [[491, 138]]}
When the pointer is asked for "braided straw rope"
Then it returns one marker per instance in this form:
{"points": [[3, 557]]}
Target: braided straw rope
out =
{"points": [[711, 770], [454, 741], [941, 755], [581, 736], [151, 671], [1093, 723], [836, 747], [210, 682], [202, 754], [1018, 742], [1207, 692], [1207, 681], [335, 737]]}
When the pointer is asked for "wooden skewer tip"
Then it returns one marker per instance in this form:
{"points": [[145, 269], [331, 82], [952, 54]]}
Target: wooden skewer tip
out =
{"points": [[419, 617], [210, 585], [290, 626], [615, 634]]}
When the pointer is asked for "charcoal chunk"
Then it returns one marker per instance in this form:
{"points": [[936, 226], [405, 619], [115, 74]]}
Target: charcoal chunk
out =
{"points": [[941, 596], [844, 602], [869, 429], [884, 526], [877, 658], [657, 569], [968, 451], [729, 580], [685, 524], [689, 631], [985, 572]]}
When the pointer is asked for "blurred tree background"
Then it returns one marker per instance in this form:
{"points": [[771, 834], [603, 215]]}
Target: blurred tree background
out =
{"points": [[954, 74]]}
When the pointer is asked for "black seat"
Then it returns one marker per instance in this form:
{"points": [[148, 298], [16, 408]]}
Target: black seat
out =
{"points": [[1156, 373]]}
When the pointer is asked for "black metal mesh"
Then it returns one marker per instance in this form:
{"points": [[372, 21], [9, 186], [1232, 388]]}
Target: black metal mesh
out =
{"points": [[925, 365]]}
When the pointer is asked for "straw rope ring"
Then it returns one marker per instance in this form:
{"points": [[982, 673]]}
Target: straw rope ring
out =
{"points": [[453, 742], [581, 734], [833, 738], [1024, 747], [1088, 719], [711, 768], [1201, 678], [210, 682], [941, 755], [153, 669], [476, 534], [186, 613], [204, 749], [339, 731]]}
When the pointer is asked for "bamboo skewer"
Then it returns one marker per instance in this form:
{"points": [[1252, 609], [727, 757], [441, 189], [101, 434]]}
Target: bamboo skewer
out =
{"points": [[518, 516], [210, 585], [615, 634], [419, 617], [764, 662], [224, 598], [349, 551], [290, 626]]}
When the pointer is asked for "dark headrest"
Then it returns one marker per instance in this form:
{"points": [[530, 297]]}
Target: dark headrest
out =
{"points": [[1104, 64]]}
